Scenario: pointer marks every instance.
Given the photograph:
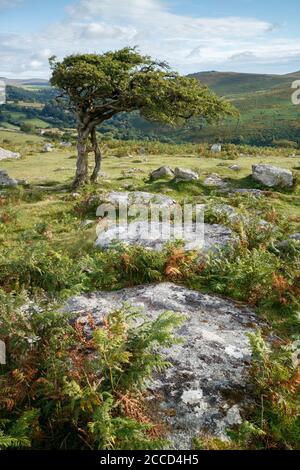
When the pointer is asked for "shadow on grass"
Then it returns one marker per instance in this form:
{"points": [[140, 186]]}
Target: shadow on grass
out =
{"points": [[249, 183], [53, 186]]}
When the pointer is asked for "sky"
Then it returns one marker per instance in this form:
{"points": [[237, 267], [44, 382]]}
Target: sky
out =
{"points": [[191, 35]]}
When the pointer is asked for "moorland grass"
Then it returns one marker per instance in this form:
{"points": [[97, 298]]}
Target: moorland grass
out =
{"points": [[47, 252]]}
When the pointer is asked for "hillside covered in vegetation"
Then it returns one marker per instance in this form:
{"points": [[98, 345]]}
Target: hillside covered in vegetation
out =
{"points": [[267, 115]]}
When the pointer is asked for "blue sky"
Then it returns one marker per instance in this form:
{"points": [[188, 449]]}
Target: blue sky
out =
{"points": [[192, 35]]}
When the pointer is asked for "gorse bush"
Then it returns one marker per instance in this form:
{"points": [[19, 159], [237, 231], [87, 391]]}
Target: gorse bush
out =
{"points": [[62, 389]]}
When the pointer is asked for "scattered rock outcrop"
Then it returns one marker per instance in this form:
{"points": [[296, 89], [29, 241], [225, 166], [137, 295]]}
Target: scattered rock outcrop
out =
{"points": [[162, 172], [224, 210], [272, 176], [6, 180], [185, 174], [7, 154], [156, 234], [215, 180], [253, 192], [137, 198], [206, 387]]}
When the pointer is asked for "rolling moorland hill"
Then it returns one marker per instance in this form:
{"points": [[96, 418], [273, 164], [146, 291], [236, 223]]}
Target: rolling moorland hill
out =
{"points": [[227, 83], [25, 81], [267, 115]]}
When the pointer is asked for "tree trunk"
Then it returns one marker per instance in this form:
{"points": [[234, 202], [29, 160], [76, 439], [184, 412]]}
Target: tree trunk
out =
{"points": [[81, 176], [98, 156]]}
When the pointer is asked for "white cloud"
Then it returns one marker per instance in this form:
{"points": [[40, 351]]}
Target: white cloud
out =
{"points": [[134, 9], [187, 43], [94, 31], [241, 56]]}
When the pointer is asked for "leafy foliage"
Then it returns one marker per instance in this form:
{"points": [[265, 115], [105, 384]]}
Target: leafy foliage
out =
{"points": [[100, 86], [277, 379], [61, 389]]}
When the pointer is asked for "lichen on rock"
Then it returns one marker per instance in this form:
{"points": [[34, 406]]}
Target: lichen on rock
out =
{"points": [[206, 388]]}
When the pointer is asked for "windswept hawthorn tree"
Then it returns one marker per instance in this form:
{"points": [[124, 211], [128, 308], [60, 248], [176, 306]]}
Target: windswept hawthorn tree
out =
{"points": [[99, 86]]}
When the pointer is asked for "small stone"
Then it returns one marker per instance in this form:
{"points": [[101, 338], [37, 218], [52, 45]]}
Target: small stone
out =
{"points": [[6, 180], [235, 168], [137, 198], [162, 172], [224, 210], [233, 416], [216, 148], [295, 236], [75, 195], [272, 176], [253, 192], [214, 180], [48, 148], [185, 174], [7, 154], [66, 144]]}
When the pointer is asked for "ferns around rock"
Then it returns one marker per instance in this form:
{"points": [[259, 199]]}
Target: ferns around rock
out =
{"points": [[62, 390]]}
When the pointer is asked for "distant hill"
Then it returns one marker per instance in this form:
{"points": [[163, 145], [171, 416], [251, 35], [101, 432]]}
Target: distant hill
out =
{"points": [[227, 83], [264, 101], [26, 81], [267, 114]]}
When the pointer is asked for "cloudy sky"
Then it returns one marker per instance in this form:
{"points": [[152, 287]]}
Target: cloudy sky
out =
{"points": [[192, 35]]}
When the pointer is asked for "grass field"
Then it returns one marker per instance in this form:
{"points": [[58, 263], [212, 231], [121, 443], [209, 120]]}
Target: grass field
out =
{"points": [[58, 167], [48, 254]]}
